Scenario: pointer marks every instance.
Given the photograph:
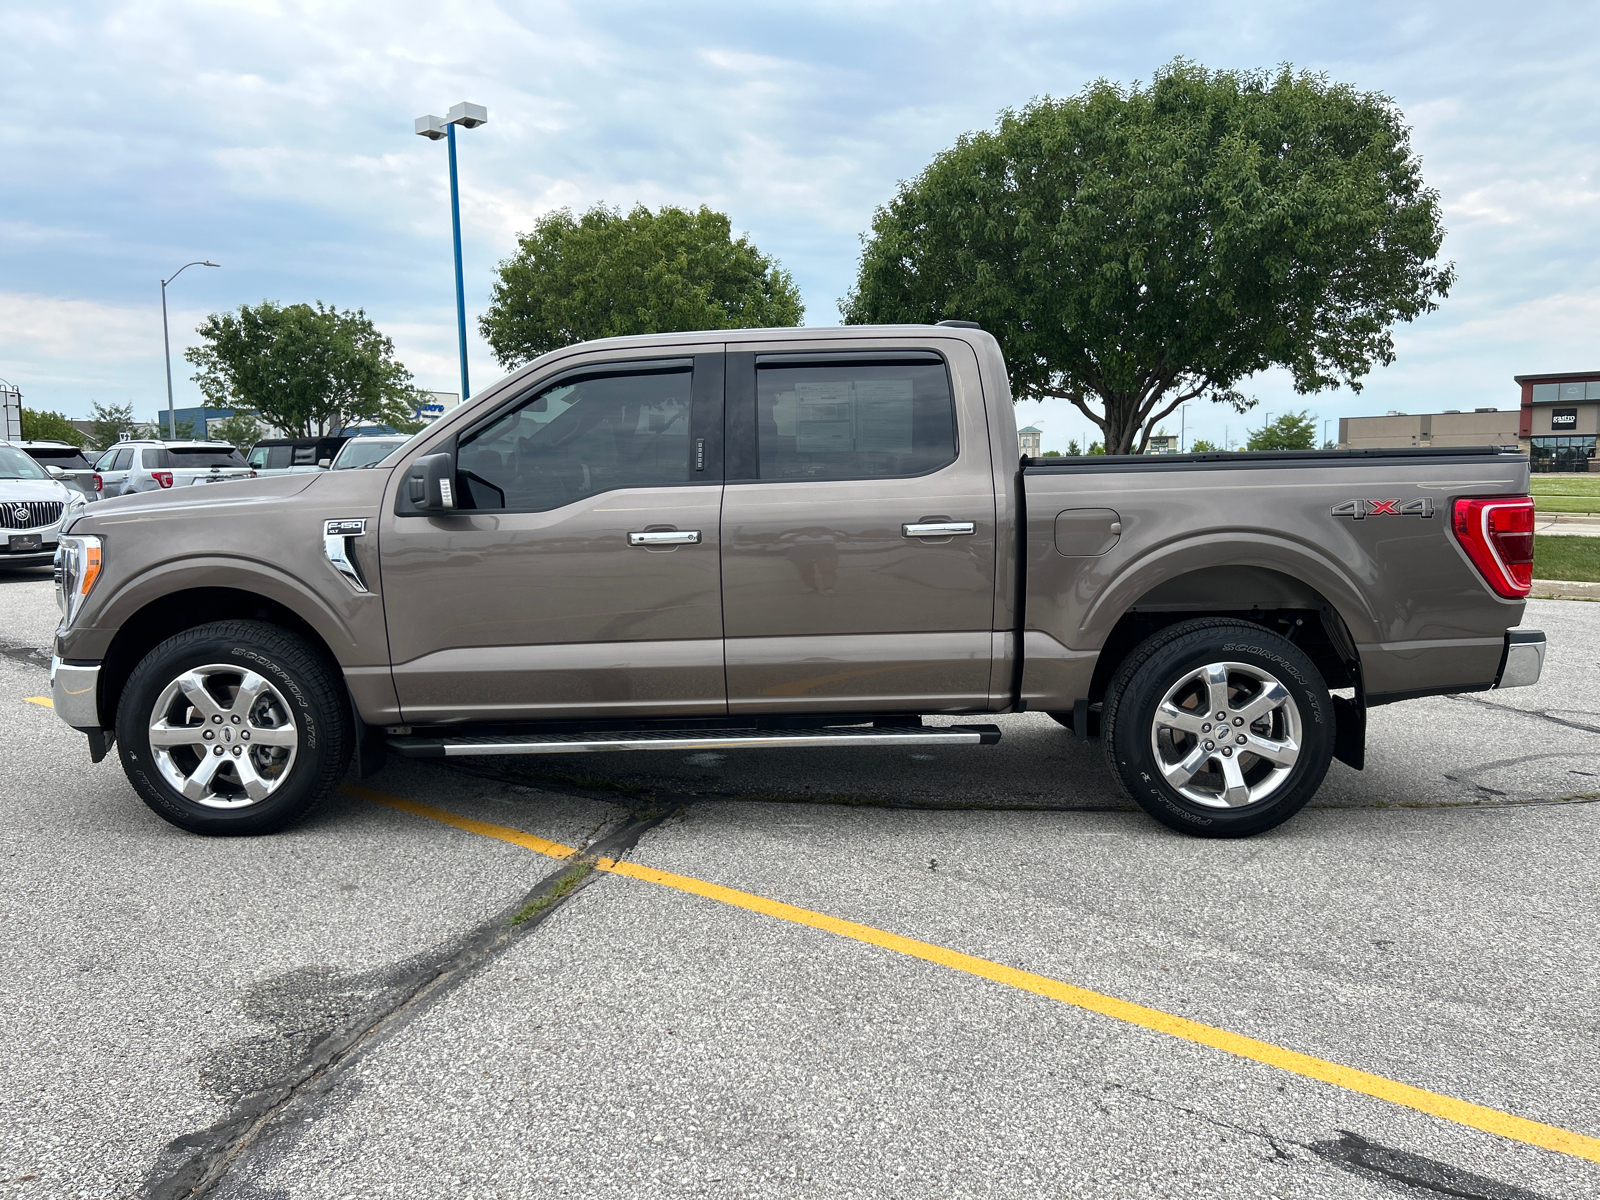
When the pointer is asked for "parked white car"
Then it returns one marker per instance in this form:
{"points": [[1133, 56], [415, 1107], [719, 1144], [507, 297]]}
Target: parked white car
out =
{"points": [[150, 466], [369, 451], [33, 507]]}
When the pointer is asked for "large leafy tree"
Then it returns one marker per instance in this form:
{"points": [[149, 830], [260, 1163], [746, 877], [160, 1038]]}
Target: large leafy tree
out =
{"points": [[50, 427], [109, 422], [1133, 248], [308, 369], [604, 274], [1292, 431]]}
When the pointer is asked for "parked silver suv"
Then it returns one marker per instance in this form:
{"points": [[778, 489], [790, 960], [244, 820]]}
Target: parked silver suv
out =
{"points": [[33, 507], [150, 466]]}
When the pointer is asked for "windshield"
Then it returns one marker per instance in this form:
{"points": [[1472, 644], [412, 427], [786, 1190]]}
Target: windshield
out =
{"points": [[364, 452], [204, 456], [14, 464]]}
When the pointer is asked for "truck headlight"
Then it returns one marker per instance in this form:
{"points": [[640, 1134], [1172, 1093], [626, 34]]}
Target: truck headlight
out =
{"points": [[77, 566]]}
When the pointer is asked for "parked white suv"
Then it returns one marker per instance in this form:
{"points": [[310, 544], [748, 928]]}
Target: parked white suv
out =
{"points": [[33, 507], [141, 466]]}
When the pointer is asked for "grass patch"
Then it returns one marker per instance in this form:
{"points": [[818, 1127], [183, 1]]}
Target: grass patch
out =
{"points": [[1571, 558], [1567, 495], [570, 878]]}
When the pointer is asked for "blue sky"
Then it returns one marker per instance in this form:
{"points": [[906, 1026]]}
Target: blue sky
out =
{"points": [[275, 138]]}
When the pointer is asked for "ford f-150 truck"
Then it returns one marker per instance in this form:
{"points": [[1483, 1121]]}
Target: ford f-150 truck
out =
{"points": [[782, 538]]}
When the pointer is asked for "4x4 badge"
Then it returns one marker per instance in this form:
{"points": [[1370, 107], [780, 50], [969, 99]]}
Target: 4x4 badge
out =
{"points": [[1361, 509]]}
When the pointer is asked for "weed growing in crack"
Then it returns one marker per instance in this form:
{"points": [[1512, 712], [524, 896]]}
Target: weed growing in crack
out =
{"points": [[560, 890]]}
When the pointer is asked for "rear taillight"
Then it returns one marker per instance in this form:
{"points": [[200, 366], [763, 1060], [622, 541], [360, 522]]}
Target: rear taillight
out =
{"points": [[1497, 534], [164, 478], [99, 484]]}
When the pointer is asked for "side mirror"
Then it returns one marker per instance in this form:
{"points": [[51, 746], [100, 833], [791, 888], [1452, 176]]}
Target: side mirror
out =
{"points": [[430, 483], [57, 472], [324, 463]]}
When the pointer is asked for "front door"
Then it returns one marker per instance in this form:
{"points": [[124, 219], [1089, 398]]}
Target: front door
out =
{"points": [[580, 576], [858, 532]]}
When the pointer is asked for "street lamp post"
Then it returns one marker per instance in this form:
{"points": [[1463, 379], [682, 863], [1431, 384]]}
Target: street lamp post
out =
{"points": [[166, 342], [468, 116]]}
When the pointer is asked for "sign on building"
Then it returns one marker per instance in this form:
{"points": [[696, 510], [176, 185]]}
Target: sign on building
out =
{"points": [[1563, 418], [436, 404]]}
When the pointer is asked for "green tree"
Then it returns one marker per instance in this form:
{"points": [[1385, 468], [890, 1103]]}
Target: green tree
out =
{"points": [[1073, 448], [1051, 454], [308, 369], [241, 431], [1097, 447], [604, 274], [109, 422], [50, 427], [1201, 446], [1292, 431], [1133, 248]]}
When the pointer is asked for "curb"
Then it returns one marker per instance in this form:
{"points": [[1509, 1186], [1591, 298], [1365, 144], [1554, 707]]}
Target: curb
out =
{"points": [[1563, 589]]}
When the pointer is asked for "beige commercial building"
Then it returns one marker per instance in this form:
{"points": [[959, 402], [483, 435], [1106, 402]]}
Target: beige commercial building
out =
{"points": [[1480, 427]]}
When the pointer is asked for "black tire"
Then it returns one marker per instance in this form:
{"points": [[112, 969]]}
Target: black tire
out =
{"points": [[1136, 747], [301, 707]]}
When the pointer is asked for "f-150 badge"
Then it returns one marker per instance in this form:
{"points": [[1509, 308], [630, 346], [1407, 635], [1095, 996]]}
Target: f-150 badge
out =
{"points": [[1360, 510]]}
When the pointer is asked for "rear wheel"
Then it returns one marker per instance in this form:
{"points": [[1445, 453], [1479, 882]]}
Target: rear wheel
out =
{"points": [[1218, 728], [235, 727]]}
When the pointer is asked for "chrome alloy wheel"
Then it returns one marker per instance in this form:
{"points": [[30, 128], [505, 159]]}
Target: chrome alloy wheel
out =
{"points": [[1226, 735], [222, 736]]}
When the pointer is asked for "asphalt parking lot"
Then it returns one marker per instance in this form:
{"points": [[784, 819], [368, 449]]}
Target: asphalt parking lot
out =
{"points": [[814, 973]]}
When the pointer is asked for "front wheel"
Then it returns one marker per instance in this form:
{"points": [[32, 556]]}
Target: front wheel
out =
{"points": [[236, 727], [1218, 728]]}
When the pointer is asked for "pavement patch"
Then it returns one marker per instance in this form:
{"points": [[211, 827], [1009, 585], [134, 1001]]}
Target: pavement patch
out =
{"points": [[1462, 1112]]}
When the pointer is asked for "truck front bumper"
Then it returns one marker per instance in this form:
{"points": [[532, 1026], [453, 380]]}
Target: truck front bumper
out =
{"points": [[1523, 660], [75, 692]]}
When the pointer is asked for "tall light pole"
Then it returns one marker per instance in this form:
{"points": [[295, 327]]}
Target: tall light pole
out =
{"points": [[468, 116], [166, 342]]}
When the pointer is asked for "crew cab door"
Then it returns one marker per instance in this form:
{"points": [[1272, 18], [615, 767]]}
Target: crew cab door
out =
{"points": [[579, 576], [858, 530]]}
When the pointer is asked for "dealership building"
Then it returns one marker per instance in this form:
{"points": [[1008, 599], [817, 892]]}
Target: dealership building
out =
{"points": [[1555, 425]]}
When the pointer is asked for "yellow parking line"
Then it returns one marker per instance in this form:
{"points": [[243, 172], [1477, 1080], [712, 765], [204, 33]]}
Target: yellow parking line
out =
{"points": [[44, 700], [1490, 1120]]}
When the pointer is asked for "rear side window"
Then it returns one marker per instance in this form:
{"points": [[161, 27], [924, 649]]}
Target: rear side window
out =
{"points": [[189, 457], [153, 459], [853, 421], [578, 439], [305, 456]]}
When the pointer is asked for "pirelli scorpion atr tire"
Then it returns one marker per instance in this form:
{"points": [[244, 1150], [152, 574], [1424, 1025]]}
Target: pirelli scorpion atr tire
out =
{"points": [[1218, 728], [233, 728]]}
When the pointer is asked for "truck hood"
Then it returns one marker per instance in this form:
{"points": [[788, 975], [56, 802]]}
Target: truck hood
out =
{"points": [[223, 499]]}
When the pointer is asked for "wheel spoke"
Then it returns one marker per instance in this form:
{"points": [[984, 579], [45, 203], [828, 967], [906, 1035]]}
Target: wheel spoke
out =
{"points": [[1217, 688], [1237, 791], [273, 735], [198, 785], [194, 689], [1283, 754], [254, 786], [164, 736], [251, 686], [1179, 774], [1173, 717], [1272, 695]]}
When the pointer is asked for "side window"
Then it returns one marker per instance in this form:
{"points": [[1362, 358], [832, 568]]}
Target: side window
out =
{"points": [[153, 459], [258, 458], [103, 463], [866, 421], [578, 439], [305, 456], [277, 457], [123, 460]]}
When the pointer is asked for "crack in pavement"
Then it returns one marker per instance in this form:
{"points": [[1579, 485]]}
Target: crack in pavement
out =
{"points": [[31, 655], [1359, 1156], [1542, 713], [192, 1165]]}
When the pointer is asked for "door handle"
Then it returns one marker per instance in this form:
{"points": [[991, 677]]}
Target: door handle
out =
{"points": [[665, 537], [939, 529]]}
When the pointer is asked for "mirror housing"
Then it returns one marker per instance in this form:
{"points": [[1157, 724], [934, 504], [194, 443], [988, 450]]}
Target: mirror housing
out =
{"points": [[429, 485], [56, 472]]}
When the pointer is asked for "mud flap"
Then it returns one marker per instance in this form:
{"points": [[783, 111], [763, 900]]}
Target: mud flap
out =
{"points": [[1350, 730], [100, 742], [369, 749]]}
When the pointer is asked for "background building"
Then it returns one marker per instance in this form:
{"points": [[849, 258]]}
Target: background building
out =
{"points": [[1028, 441], [1453, 427], [1560, 419]]}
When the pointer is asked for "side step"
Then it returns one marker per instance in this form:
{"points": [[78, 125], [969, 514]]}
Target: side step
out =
{"points": [[692, 739]]}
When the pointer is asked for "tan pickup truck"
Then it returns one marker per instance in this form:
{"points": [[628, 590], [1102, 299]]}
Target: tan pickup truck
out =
{"points": [[784, 537]]}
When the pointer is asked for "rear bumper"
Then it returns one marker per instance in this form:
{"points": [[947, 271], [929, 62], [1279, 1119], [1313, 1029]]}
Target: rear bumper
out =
{"points": [[75, 692], [1523, 661]]}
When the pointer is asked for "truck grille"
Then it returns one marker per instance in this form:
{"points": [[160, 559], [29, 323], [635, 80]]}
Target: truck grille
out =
{"points": [[29, 514]]}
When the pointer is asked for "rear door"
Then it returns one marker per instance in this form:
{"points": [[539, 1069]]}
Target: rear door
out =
{"points": [[580, 578], [112, 467], [858, 530]]}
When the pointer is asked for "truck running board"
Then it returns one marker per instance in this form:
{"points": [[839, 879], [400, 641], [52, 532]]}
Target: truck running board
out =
{"points": [[692, 739]]}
